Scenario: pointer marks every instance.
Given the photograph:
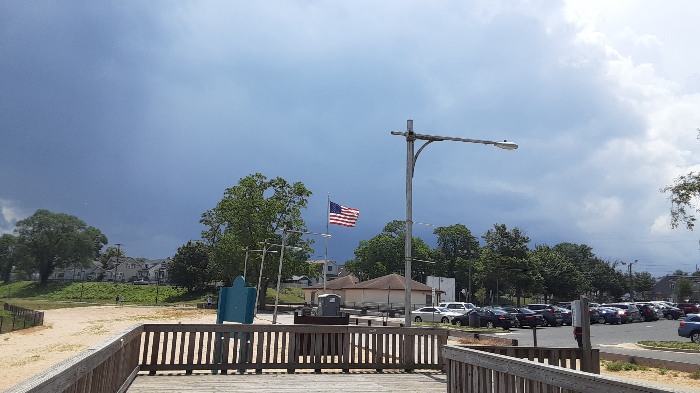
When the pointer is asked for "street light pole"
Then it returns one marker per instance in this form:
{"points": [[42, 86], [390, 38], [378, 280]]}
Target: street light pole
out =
{"points": [[410, 167], [279, 274]]}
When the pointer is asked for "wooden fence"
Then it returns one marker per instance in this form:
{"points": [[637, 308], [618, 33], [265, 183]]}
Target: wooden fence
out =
{"points": [[477, 371], [562, 357], [107, 367], [289, 347]]}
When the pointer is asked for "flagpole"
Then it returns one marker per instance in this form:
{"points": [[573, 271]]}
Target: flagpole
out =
{"points": [[325, 258]]}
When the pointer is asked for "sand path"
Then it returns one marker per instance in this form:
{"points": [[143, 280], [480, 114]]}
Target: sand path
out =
{"points": [[68, 331]]}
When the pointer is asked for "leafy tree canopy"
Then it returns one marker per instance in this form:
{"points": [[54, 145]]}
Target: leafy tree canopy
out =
{"points": [[58, 239], [252, 212], [189, 268]]}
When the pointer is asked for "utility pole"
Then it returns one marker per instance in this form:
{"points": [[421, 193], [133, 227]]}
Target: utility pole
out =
{"points": [[119, 252], [629, 267]]}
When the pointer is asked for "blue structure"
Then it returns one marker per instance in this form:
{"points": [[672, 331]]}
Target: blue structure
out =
{"points": [[236, 303]]}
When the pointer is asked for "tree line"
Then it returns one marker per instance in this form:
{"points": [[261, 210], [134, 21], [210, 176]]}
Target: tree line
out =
{"points": [[503, 264]]}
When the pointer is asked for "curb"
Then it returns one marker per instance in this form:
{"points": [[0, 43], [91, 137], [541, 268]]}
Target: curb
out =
{"points": [[668, 349]]}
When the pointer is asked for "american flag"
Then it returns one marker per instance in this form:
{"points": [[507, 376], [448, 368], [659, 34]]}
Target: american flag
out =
{"points": [[341, 215]]}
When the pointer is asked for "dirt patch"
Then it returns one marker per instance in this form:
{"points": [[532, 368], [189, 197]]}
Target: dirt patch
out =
{"points": [[69, 331], [674, 378]]}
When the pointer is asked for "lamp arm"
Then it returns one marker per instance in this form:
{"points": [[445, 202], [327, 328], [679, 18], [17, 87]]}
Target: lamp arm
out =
{"points": [[415, 158]]}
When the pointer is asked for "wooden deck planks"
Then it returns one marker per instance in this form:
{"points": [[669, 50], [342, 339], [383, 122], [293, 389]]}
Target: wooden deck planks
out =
{"points": [[424, 382]]}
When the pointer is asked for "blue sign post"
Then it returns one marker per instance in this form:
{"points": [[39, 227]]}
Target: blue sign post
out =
{"points": [[236, 304]]}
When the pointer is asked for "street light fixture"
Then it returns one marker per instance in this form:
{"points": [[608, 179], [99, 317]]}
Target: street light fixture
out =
{"points": [[279, 274], [411, 137]]}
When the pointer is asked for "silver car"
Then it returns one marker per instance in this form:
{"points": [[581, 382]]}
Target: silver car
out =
{"points": [[434, 314]]}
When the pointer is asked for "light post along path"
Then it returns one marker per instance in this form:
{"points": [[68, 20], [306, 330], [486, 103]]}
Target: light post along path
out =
{"points": [[279, 274], [411, 137]]}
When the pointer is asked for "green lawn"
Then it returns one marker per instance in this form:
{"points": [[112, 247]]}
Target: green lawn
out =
{"points": [[63, 294], [57, 294], [671, 344]]}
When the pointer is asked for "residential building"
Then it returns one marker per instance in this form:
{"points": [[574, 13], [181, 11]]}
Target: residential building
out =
{"points": [[665, 288], [332, 269]]}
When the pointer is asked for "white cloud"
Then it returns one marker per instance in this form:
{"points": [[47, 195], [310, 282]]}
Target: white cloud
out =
{"points": [[11, 213]]}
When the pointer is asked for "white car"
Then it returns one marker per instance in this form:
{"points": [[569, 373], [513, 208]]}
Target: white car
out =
{"points": [[459, 307], [434, 314]]}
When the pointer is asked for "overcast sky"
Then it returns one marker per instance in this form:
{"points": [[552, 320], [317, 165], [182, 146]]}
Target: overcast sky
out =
{"points": [[135, 116]]}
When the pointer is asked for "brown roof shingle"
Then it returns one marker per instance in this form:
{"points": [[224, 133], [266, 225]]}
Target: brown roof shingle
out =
{"points": [[340, 283]]}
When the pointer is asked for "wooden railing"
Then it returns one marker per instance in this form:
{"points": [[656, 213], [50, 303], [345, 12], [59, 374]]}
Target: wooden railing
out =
{"points": [[562, 357], [257, 347], [476, 371], [103, 368]]}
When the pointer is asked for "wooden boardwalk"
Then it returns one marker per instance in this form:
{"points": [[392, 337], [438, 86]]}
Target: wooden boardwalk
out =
{"points": [[302, 382]]}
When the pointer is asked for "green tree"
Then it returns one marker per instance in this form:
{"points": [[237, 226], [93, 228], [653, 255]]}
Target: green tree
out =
{"points": [[680, 272], [684, 288], [505, 259], [385, 254], [189, 268], [684, 194], [10, 252], [252, 212], [58, 239], [459, 248], [696, 273], [110, 252], [607, 280], [559, 276], [643, 282]]}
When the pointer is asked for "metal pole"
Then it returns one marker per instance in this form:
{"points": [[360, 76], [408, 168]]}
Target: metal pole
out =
{"points": [[257, 293], [279, 276], [245, 264], [325, 258], [119, 251], [410, 139]]}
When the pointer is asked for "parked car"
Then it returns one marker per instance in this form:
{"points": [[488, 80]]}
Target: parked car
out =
{"points": [[610, 315], [433, 314], [671, 312], [648, 312], [594, 315], [565, 316], [688, 308], [488, 317], [690, 328], [457, 306], [526, 317], [631, 311], [657, 309], [551, 313], [140, 282]]}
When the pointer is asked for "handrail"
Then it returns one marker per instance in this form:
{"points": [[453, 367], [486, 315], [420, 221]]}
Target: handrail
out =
{"points": [[104, 367], [472, 370], [239, 347]]}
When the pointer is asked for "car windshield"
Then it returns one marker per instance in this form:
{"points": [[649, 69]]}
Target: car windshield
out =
{"points": [[442, 309], [499, 311], [527, 311]]}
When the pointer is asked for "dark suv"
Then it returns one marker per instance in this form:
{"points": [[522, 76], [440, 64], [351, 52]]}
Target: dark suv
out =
{"points": [[552, 315]]}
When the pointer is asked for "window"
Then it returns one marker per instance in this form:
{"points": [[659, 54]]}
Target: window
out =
{"points": [[330, 268], [673, 285]]}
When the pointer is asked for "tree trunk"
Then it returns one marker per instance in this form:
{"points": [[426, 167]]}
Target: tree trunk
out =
{"points": [[44, 273]]}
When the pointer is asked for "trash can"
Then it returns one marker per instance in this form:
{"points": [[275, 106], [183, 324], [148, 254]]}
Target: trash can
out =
{"points": [[474, 320]]}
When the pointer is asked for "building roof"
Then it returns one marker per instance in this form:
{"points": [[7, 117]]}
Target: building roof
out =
{"points": [[340, 283], [391, 281]]}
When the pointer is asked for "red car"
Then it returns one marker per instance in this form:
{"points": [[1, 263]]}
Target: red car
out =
{"points": [[688, 308]]}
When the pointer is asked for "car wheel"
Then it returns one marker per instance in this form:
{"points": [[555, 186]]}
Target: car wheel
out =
{"points": [[458, 322], [445, 320], [695, 337], [418, 319], [669, 317], [601, 321], [490, 325]]}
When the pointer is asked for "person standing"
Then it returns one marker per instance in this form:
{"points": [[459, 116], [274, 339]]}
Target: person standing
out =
{"points": [[122, 300], [209, 302], [116, 302]]}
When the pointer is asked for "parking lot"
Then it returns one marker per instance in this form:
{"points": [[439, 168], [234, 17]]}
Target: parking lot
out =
{"points": [[605, 335]]}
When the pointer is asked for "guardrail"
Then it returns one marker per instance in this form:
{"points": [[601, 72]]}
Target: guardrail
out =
{"points": [[242, 347], [562, 357], [106, 367], [473, 370]]}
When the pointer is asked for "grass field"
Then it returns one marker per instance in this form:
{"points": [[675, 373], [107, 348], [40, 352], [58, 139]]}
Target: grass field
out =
{"points": [[63, 294]]}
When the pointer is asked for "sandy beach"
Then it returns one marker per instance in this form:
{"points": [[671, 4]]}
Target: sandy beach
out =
{"points": [[68, 331]]}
